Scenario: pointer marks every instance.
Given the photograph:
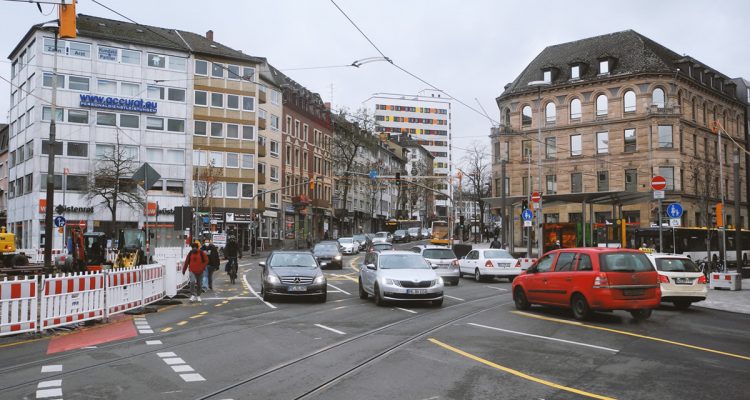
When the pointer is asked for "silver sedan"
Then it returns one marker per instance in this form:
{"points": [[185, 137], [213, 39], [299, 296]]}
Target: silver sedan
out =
{"points": [[399, 276]]}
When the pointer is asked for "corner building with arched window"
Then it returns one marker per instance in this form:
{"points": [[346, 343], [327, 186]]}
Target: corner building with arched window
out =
{"points": [[618, 109]]}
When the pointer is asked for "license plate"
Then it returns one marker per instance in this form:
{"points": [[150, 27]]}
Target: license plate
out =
{"points": [[503, 265], [323, 264], [634, 292], [297, 288], [416, 291], [683, 281]]}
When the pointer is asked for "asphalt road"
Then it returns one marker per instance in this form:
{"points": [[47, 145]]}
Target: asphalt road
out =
{"points": [[476, 346]]}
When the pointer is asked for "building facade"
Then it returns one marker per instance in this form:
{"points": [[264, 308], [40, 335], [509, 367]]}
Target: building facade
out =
{"points": [[615, 111], [270, 113], [426, 120], [419, 162], [4, 136]]}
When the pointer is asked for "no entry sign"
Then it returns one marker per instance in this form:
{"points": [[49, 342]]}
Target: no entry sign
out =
{"points": [[536, 197], [658, 183]]}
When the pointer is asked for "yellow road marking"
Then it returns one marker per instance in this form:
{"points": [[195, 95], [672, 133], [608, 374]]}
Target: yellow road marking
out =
{"points": [[656, 339], [518, 373], [225, 302], [181, 323], [197, 316], [219, 305], [353, 265], [203, 312], [23, 342], [167, 329]]}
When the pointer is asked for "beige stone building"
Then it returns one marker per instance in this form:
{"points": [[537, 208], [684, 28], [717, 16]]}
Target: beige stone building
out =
{"points": [[270, 113], [618, 109]]}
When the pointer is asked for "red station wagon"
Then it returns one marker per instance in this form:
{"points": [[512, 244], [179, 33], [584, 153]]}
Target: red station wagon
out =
{"points": [[590, 279]]}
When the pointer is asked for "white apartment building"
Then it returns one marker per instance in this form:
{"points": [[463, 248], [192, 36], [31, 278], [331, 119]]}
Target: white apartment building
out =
{"points": [[424, 119]]}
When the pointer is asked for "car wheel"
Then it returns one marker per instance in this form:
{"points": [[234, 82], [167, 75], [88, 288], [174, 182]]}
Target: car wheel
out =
{"points": [[323, 297], [362, 294], [682, 304], [519, 298], [477, 275], [580, 307], [378, 299], [437, 303], [641, 314], [266, 296]]}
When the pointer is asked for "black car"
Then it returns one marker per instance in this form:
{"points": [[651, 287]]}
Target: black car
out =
{"points": [[328, 255], [400, 236], [292, 273]]}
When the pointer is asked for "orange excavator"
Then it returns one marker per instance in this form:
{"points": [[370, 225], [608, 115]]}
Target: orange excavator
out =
{"points": [[89, 251]]}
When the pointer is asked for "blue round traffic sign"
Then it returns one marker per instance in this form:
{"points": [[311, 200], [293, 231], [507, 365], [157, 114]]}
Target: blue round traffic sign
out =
{"points": [[674, 210], [373, 174], [59, 221], [527, 215]]}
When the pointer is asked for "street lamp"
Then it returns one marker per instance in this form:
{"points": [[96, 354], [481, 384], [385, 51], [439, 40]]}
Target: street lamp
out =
{"points": [[540, 214]]}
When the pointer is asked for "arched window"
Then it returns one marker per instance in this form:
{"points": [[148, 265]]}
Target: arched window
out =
{"points": [[657, 98], [506, 117], [575, 109], [526, 116], [629, 101], [550, 113], [602, 105]]}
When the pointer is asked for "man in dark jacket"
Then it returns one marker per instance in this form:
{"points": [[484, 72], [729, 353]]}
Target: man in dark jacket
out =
{"points": [[213, 263], [495, 244], [196, 262], [231, 251]]}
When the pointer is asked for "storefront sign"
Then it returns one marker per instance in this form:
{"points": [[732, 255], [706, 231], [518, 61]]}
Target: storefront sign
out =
{"points": [[64, 209], [289, 209], [117, 103], [269, 213]]}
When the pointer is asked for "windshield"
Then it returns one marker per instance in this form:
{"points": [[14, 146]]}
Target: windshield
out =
{"points": [[326, 248], [438, 254], [497, 254], [676, 265], [345, 240], [381, 234], [400, 232], [403, 261], [413, 230], [360, 238], [383, 246], [625, 262], [293, 261]]}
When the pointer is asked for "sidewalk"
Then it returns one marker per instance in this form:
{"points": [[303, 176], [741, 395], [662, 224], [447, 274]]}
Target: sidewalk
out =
{"points": [[726, 300]]}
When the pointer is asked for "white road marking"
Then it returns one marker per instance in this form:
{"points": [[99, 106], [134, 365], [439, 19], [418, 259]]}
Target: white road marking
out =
{"points": [[166, 354], [244, 279], [545, 337], [89, 347], [174, 361], [340, 307], [330, 329], [152, 342], [192, 377], [146, 331], [407, 310], [42, 394], [454, 298], [230, 298], [340, 290], [182, 368], [49, 384], [497, 288], [52, 368]]}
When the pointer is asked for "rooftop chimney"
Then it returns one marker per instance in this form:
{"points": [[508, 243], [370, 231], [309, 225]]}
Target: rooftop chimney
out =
{"points": [[210, 35]]}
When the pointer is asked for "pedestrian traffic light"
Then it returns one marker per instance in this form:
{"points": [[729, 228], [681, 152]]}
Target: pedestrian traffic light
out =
{"points": [[524, 204], [398, 178]]}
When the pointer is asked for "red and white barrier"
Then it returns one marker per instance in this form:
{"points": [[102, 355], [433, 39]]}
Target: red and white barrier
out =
{"points": [[123, 290], [18, 304], [71, 298], [153, 283]]}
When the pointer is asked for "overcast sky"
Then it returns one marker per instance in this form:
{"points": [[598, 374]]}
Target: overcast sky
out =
{"points": [[469, 48]]}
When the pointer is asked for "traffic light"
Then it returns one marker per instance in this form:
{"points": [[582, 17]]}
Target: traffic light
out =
{"points": [[524, 204], [312, 184], [67, 15], [398, 179], [719, 215]]}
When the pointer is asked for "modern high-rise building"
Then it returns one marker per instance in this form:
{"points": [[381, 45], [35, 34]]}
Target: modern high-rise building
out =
{"points": [[424, 119]]}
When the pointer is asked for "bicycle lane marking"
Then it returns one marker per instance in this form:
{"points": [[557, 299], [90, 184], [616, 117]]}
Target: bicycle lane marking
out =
{"points": [[247, 284], [637, 335]]}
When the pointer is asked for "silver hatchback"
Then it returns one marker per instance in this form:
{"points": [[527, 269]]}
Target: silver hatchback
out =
{"points": [[442, 259]]}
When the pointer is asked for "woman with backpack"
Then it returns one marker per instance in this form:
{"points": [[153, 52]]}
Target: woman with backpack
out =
{"points": [[196, 262]]}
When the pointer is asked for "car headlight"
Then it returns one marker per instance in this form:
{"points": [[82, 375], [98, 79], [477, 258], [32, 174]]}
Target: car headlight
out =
{"points": [[439, 281], [272, 279], [319, 279], [337, 258], [392, 282]]}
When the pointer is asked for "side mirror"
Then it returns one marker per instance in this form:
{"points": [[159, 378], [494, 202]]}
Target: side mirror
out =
{"points": [[262, 264], [370, 266], [531, 269]]}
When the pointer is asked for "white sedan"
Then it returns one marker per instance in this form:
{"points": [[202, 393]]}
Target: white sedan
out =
{"points": [[348, 245], [681, 281], [482, 263]]}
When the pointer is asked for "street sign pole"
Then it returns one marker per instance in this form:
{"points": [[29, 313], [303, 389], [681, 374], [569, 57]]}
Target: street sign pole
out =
{"points": [[661, 233], [658, 184]]}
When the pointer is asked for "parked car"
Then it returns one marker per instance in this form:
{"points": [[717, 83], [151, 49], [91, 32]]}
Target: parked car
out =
{"points": [[590, 279], [489, 263], [382, 237], [442, 260], [427, 233], [292, 273], [328, 254], [680, 280], [399, 276], [348, 245], [414, 234], [381, 247], [362, 240], [400, 236]]}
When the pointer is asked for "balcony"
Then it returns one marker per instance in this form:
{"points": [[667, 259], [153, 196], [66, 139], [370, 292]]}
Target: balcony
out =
{"points": [[321, 203], [261, 149], [261, 123], [667, 110], [261, 97], [261, 178]]}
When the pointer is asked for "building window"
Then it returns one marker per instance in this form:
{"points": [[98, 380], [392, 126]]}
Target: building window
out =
{"points": [[248, 161], [274, 122], [217, 70], [233, 160], [526, 149], [78, 116], [132, 90], [602, 105], [200, 128], [154, 154], [248, 132], [274, 148], [630, 141], [217, 129], [526, 116], [130, 57], [155, 123], [575, 72], [130, 121], [247, 190], [576, 183], [248, 103], [175, 156], [201, 67], [233, 72], [107, 87], [547, 76], [106, 119], [668, 174], [551, 147], [631, 180], [657, 98], [231, 189], [78, 83], [576, 145], [629, 101], [550, 113], [216, 159], [217, 100], [174, 94], [233, 102], [201, 98], [602, 181], [525, 186], [157, 60], [248, 74], [602, 142], [175, 125], [604, 67], [551, 184], [665, 137], [575, 109], [233, 131]]}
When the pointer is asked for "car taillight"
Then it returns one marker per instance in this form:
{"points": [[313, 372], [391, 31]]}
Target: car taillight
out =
{"points": [[702, 279], [488, 264], [454, 263], [518, 263], [663, 279], [601, 281]]}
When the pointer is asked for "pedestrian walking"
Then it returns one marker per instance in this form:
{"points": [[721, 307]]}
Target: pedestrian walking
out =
{"points": [[196, 262], [213, 264], [495, 244], [231, 251]]}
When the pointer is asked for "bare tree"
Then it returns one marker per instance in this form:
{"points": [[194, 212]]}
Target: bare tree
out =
{"points": [[205, 182], [475, 168], [705, 180], [112, 184]]}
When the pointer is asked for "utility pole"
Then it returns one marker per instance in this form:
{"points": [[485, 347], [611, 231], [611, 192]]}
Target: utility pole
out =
{"points": [[51, 167], [737, 220], [502, 202]]}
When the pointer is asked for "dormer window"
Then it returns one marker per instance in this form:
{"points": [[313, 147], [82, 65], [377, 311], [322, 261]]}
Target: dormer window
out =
{"points": [[604, 67], [575, 72], [548, 76]]}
